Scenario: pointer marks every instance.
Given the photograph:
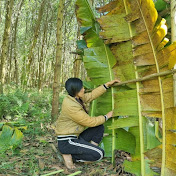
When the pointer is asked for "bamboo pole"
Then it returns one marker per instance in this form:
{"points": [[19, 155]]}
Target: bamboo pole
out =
{"points": [[173, 38]]}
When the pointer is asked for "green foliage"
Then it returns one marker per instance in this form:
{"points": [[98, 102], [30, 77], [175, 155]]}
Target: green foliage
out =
{"points": [[160, 5], [88, 85], [19, 104], [135, 168], [40, 105], [10, 138], [18, 109], [13, 105], [124, 140]]}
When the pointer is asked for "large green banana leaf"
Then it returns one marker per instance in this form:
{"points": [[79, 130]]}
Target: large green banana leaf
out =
{"points": [[136, 37], [98, 61]]}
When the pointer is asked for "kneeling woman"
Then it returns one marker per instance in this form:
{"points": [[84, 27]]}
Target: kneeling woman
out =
{"points": [[74, 142]]}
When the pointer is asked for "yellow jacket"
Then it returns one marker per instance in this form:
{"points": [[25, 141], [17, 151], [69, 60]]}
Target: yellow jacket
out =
{"points": [[73, 119]]}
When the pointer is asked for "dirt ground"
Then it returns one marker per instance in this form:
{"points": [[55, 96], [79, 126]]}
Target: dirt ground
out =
{"points": [[38, 156]]}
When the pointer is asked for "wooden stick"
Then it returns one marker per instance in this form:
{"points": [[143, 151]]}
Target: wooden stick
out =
{"points": [[76, 52], [168, 72], [164, 12], [76, 173], [52, 173], [59, 155]]}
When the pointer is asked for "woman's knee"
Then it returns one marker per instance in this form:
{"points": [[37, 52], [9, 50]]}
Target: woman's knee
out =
{"points": [[98, 155]]}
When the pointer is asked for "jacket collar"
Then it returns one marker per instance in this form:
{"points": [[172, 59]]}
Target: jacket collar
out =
{"points": [[73, 98]]}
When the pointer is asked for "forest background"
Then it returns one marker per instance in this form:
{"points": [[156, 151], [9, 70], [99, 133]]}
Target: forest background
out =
{"points": [[38, 54]]}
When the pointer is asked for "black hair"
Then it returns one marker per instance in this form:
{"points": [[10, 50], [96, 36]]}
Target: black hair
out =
{"points": [[73, 86]]}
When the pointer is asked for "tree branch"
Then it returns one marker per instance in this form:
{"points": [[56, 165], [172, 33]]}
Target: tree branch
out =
{"points": [[168, 72], [152, 76]]}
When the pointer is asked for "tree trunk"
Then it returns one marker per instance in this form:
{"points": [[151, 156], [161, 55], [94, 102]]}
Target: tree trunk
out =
{"points": [[8, 74], [0, 11], [173, 38], [77, 65], [77, 60], [5, 42], [16, 75], [35, 37], [92, 2], [41, 62], [57, 70]]}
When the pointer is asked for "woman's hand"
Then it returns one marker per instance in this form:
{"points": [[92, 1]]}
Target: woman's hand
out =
{"points": [[110, 83], [109, 114]]}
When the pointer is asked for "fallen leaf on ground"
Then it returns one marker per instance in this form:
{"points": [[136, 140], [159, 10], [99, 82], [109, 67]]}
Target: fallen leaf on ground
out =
{"points": [[41, 164]]}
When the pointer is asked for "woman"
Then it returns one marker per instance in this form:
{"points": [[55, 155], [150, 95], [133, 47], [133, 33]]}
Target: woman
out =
{"points": [[74, 142]]}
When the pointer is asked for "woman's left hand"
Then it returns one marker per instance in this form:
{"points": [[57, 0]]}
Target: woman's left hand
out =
{"points": [[110, 83]]}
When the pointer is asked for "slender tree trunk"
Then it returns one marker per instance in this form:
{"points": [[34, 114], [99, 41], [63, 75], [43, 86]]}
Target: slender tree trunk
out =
{"points": [[23, 75], [76, 67], [173, 38], [40, 72], [16, 74], [92, 2], [64, 52], [5, 43], [0, 11], [77, 60], [8, 74], [46, 61], [173, 21], [57, 70], [34, 41]]}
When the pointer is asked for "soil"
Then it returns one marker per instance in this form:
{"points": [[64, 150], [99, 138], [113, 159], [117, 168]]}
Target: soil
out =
{"points": [[38, 155]]}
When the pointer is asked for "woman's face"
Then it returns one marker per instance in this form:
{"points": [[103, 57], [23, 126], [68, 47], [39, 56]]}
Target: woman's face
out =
{"points": [[81, 93]]}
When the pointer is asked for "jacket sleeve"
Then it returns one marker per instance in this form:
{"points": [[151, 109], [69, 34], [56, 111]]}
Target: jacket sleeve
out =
{"points": [[78, 115], [88, 97]]}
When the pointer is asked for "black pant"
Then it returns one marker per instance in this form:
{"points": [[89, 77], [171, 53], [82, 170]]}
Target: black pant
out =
{"points": [[80, 148]]}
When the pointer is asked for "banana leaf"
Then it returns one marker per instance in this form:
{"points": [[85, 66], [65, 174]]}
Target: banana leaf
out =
{"points": [[130, 44], [9, 138], [136, 36], [160, 5], [99, 62]]}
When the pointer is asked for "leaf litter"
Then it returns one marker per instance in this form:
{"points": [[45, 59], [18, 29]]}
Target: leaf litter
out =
{"points": [[38, 155]]}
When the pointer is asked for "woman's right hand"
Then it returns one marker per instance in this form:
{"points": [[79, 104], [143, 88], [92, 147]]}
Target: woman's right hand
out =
{"points": [[109, 114]]}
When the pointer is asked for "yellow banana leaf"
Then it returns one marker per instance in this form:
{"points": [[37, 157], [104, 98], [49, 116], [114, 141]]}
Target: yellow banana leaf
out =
{"points": [[137, 39]]}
